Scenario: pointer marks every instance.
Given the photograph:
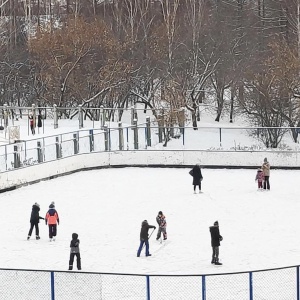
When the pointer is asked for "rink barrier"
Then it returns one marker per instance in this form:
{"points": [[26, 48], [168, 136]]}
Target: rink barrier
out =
{"points": [[27, 162], [273, 284]]}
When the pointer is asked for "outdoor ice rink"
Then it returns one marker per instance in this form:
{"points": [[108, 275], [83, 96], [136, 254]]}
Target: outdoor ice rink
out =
{"points": [[106, 207]]}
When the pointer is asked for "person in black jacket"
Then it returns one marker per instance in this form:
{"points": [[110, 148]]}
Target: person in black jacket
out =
{"points": [[215, 242], [74, 245], [144, 238], [197, 177], [34, 220]]}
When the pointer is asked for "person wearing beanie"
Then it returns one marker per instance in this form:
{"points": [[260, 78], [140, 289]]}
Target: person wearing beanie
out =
{"points": [[162, 223], [197, 177], [52, 219], [74, 245], [215, 242], [144, 238], [266, 170], [34, 220]]}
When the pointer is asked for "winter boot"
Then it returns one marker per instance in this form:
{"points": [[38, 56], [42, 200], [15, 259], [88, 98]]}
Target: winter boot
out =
{"points": [[70, 268], [213, 260], [37, 237], [28, 237], [217, 262]]}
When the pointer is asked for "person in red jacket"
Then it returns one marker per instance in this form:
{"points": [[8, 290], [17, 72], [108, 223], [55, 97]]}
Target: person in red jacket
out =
{"points": [[52, 219]]}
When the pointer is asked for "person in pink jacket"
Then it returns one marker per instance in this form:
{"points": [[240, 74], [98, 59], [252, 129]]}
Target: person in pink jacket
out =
{"points": [[52, 219], [260, 177]]}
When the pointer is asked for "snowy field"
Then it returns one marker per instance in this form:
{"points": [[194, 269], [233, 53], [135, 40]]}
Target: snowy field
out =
{"points": [[106, 207]]}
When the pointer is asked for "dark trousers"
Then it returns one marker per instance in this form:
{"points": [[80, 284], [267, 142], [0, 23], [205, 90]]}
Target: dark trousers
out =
{"points": [[215, 254], [146, 242], [32, 129], [198, 185], [72, 255], [52, 230], [267, 183], [36, 225]]}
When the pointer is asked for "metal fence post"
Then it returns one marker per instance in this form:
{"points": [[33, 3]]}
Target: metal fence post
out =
{"points": [[148, 132], [55, 116], [76, 144], [39, 152], [58, 148], [52, 286], [102, 117], [106, 138], [148, 286], [203, 288], [91, 139], [17, 162], [181, 115], [80, 116], [121, 136], [220, 129], [132, 115], [5, 112], [250, 286], [135, 135], [160, 126]]}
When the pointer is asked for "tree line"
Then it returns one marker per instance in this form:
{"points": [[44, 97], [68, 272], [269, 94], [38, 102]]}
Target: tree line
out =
{"points": [[235, 57]]}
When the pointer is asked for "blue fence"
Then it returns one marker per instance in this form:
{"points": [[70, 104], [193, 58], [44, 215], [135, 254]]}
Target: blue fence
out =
{"points": [[272, 284]]}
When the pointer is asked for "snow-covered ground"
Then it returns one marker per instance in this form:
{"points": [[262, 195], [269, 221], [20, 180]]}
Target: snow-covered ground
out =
{"points": [[106, 208]]}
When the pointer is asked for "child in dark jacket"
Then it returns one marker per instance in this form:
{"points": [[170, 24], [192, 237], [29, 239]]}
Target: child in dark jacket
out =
{"points": [[74, 245], [34, 220]]}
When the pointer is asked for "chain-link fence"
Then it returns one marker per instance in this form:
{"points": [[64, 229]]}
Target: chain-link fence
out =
{"points": [[273, 284]]}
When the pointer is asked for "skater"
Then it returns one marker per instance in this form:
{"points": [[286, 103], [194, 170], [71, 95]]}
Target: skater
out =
{"points": [[52, 219], [266, 169], [74, 245], [197, 177], [162, 223], [215, 242], [260, 177], [31, 123], [34, 221], [144, 238]]}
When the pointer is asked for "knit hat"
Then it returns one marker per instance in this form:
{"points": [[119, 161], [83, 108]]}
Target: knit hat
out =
{"points": [[74, 236], [160, 212], [52, 205], [265, 159], [36, 204], [216, 223]]}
